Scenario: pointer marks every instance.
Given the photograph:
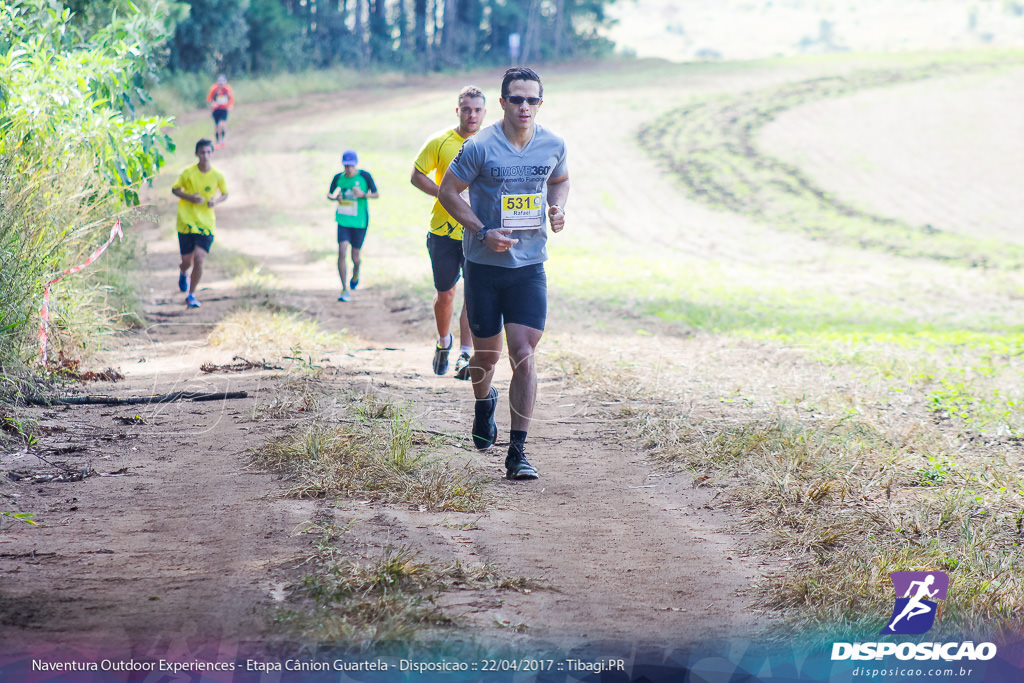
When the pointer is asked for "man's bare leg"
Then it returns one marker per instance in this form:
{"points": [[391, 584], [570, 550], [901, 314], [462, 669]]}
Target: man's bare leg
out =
{"points": [[343, 269]]}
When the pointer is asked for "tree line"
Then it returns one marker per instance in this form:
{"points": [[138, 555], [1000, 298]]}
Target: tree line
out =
{"points": [[268, 36]]}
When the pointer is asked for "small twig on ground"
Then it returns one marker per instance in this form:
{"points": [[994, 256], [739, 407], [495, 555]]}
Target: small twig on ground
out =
{"points": [[53, 464], [134, 400], [241, 366]]}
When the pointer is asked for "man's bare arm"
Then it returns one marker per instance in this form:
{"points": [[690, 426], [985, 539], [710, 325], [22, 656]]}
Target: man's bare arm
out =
{"points": [[459, 209], [181, 194], [449, 194], [421, 182], [558, 193]]}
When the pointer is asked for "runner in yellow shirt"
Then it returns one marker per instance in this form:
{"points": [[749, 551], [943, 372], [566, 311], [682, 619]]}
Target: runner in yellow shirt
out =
{"points": [[444, 240], [199, 188]]}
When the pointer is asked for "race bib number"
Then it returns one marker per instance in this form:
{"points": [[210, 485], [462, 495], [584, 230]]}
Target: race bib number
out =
{"points": [[347, 207], [221, 99], [522, 211]]}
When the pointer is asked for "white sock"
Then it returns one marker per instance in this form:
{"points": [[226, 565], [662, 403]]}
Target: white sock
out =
{"points": [[468, 350]]}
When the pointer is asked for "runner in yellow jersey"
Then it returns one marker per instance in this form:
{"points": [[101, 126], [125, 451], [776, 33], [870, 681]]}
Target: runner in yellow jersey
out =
{"points": [[199, 188], [444, 240]]}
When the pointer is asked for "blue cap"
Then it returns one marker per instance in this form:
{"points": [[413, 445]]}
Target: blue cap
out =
{"points": [[349, 158]]}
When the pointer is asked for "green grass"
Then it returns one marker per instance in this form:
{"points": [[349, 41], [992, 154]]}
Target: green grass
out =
{"points": [[181, 92], [962, 365], [965, 377]]}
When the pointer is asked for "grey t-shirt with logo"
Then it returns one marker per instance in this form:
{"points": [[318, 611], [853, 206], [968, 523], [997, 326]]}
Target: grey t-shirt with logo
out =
{"points": [[509, 188]]}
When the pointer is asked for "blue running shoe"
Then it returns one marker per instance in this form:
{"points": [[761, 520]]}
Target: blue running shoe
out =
{"points": [[192, 301], [353, 283], [344, 297], [182, 282], [484, 429]]}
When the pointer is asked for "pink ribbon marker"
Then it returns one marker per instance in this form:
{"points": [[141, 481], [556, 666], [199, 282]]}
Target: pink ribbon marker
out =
{"points": [[44, 311]]}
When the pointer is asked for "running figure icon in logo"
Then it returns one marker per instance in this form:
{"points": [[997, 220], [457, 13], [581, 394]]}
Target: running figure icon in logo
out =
{"points": [[914, 613]]}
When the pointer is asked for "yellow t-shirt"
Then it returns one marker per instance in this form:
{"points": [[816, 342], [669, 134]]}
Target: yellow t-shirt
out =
{"points": [[435, 156], [198, 218]]}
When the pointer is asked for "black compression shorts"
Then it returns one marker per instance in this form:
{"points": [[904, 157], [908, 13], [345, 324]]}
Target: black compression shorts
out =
{"points": [[497, 296]]}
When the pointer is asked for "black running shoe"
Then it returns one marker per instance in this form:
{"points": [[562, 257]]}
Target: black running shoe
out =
{"points": [[517, 466], [484, 429], [441, 358]]}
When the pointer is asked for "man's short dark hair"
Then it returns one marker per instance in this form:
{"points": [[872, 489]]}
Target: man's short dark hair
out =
{"points": [[519, 73], [203, 142], [471, 91]]}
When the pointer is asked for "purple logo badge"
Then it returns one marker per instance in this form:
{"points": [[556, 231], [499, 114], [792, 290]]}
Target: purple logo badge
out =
{"points": [[916, 606]]}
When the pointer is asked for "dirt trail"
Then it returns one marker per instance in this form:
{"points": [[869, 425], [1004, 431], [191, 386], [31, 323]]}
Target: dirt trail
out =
{"points": [[185, 551]]}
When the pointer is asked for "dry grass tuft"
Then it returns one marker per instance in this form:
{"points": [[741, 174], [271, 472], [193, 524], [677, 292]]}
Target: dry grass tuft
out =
{"points": [[849, 502], [253, 283], [373, 455], [362, 606], [271, 331], [385, 602], [296, 394], [617, 382]]}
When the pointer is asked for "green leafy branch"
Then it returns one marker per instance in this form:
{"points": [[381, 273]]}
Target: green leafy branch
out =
{"points": [[20, 516]]}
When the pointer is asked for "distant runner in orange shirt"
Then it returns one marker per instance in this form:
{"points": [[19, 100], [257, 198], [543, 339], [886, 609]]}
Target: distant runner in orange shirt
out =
{"points": [[221, 100]]}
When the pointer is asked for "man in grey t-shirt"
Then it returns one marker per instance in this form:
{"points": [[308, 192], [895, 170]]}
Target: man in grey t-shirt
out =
{"points": [[518, 182]]}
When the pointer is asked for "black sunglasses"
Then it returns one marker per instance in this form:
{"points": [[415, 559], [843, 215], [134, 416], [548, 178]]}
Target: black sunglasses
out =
{"points": [[519, 99]]}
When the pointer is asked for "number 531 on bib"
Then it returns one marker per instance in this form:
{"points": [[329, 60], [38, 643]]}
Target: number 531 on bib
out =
{"points": [[522, 211]]}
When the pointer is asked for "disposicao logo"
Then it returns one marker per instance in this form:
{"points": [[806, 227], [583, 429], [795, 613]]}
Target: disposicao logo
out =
{"points": [[914, 613]]}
